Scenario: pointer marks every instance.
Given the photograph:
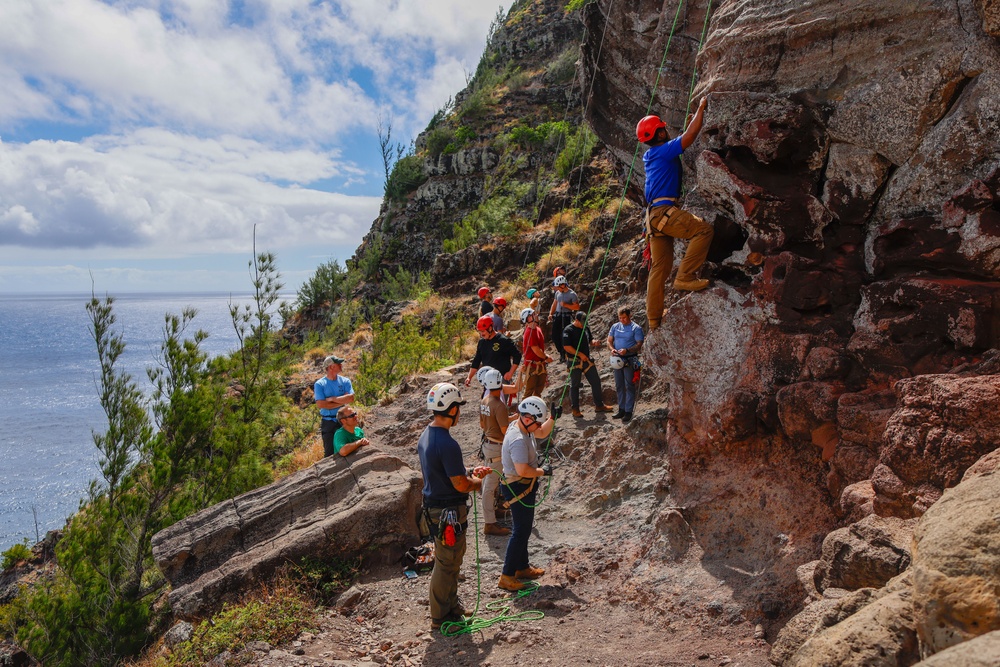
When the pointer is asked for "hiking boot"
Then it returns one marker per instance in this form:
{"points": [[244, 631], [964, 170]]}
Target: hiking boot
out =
{"points": [[436, 623], [495, 529], [691, 285], [509, 583], [529, 573], [618, 415], [603, 408], [577, 413], [627, 417]]}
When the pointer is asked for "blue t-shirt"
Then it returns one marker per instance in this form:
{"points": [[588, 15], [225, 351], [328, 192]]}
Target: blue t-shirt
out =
{"points": [[663, 170], [624, 336], [326, 388], [440, 460]]}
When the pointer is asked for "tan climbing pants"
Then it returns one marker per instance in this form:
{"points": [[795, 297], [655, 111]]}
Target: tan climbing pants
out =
{"points": [[663, 225], [447, 565]]}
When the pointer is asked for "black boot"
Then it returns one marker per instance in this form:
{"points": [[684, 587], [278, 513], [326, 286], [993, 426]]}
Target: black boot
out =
{"points": [[618, 415], [627, 417]]}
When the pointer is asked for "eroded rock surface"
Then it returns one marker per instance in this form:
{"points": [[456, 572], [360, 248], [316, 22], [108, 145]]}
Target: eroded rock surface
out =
{"points": [[365, 504]]}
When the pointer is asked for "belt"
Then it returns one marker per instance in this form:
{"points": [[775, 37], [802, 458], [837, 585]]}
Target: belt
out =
{"points": [[495, 442], [655, 202], [330, 419]]}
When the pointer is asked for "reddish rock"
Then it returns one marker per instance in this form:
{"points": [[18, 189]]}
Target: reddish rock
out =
{"points": [[854, 176], [808, 413], [866, 554]]}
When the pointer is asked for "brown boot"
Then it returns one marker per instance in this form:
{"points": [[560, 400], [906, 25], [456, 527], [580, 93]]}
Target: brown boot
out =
{"points": [[509, 583], [495, 529], [529, 573], [577, 413], [603, 408], [691, 285]]}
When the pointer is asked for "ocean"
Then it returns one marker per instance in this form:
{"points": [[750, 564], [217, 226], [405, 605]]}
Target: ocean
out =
{"points": [[48, 393]]}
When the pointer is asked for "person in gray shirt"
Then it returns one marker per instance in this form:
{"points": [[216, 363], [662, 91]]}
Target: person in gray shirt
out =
{"points": [[565, 303]]}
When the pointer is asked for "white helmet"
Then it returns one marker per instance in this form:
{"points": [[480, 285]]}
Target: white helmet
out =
{"points": [[533, 407], [442, 396], [617, 362], [525, 314], [481, 373], [492, 379], [560, 280]]}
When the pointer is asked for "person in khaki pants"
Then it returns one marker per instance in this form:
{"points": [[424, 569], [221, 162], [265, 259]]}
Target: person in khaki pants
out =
{"points": [[666, 221]]}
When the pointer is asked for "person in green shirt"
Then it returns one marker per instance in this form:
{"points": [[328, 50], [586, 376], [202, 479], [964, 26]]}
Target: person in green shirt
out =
{"points": [[349, 436]]}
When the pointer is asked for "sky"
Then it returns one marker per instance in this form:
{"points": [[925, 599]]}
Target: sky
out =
{"points": [[141, 141]]}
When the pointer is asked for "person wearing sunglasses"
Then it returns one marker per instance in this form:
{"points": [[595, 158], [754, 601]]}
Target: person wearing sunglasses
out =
{"points": [[349, 436]]}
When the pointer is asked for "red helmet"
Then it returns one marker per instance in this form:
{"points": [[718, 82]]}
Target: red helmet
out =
{"points": [[485, 323], [483, 291], [500, 301], [647, 127], [555, 271]]}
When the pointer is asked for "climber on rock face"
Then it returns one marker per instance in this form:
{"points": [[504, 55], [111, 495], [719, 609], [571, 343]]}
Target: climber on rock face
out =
{"points": [[665, 220]]}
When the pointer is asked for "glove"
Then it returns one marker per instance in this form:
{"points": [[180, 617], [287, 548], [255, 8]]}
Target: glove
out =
{"points": [[556, 411], [547, 470]]}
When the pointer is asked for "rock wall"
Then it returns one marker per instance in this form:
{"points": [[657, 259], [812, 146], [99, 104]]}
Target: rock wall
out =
{"points": [[363, 505], [849, 163]]}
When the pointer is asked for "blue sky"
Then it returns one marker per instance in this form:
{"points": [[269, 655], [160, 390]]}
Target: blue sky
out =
{"points": [[142, 140]]}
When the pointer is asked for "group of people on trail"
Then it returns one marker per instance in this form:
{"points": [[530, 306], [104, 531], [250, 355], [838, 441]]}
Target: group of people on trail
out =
{"points": [[510, 445]]}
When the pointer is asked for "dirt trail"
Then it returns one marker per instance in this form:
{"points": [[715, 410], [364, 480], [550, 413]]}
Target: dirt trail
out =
{"points": [[609, 595]]}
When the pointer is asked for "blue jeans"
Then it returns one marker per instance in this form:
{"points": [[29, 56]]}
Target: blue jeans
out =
{"points": [[523, 519], [625, 388]]}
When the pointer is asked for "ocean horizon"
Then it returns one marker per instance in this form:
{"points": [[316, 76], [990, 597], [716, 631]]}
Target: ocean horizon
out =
{"points": [[49, 404]]}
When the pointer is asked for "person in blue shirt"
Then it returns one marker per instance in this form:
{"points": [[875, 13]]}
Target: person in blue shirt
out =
{"points": [[665, 220], [625, 340], [331, 392]]}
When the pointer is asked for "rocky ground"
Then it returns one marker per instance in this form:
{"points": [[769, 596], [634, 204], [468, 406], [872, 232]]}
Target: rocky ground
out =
{"points": [[606, 597]]}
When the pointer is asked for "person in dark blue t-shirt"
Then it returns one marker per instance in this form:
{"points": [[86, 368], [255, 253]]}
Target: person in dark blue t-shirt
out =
{"points": [[666, 221], [446, 496]]}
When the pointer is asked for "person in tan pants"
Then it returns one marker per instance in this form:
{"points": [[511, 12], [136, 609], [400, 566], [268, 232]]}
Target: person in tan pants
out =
{"points": [[666, 221]]}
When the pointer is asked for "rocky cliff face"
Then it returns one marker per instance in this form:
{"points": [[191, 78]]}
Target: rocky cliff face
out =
{"points": [[849, 163]]}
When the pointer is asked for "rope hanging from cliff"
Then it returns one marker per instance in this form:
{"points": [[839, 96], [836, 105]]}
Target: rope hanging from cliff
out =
{"points": [[631, 171]]}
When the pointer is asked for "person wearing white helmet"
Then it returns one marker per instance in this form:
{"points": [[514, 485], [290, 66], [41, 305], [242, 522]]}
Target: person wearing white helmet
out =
{"points": [[521, 472], [493, 419], [565, 302], [625, 340], [447, 485], [535, 358]]}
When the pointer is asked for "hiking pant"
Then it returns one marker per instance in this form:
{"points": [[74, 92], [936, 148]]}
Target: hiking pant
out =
{"points": [[326, 430], [672, 222], [447, 564], [559, 322], [522, 514], [534, 381], [576, 379], [489, 493], [625, 388]]}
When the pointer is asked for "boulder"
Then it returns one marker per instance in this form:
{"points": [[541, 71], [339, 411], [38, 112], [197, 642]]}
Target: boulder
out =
{"points": [[866, 554], [879, 634], [944, 424], [956, 565], [983, 651], [362, 505], [835, 606]]}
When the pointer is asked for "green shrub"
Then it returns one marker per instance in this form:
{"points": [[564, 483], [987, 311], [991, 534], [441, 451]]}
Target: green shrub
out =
{"points": [[562, 68], [574, 5], [494, 216], [407, 175], [438, 139], [325, 578], [518, 80], [398, 351], [403, 285], [16, 554], [343, 324], [550, 135], [324, 287], [476, 104], [579, 147]]}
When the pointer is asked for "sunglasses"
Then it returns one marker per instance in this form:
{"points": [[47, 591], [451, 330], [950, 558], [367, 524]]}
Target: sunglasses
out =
{"points": [[350, 416]]}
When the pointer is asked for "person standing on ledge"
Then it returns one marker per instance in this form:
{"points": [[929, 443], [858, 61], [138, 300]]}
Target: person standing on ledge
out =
{"points": [[332, 392], [665, 220]]}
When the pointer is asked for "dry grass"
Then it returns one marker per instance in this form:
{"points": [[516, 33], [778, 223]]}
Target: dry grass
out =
{"points": [[301, 458], [315, 355]]}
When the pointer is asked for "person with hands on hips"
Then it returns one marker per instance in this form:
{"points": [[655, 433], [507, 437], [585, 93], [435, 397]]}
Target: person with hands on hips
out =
{"points": [[519, 455]]}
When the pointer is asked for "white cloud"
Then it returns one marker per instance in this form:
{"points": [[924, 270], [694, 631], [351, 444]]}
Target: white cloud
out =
{"points": [[160, 193]]}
